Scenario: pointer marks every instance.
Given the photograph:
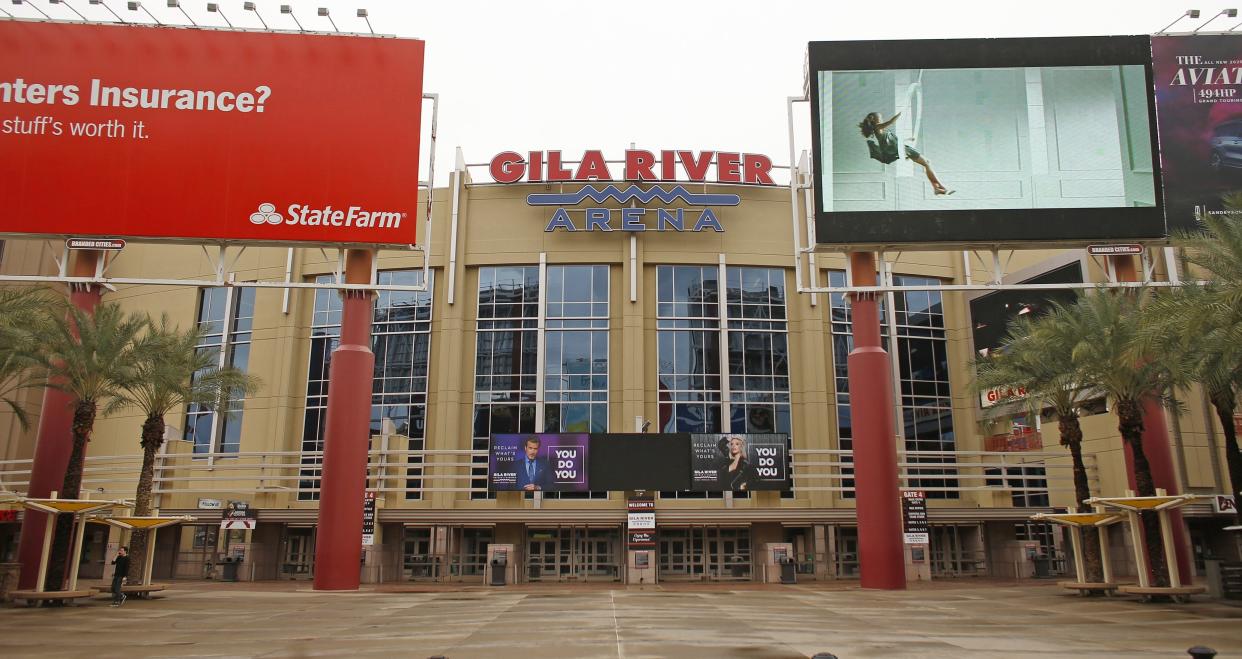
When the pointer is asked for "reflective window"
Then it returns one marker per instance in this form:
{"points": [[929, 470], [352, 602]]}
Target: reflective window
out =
{"points": [[922, 358], [401, 342], [690, 337], [220, 308]]}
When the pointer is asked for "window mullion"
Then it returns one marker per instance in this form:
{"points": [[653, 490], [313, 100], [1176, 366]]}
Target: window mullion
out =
{"points": [[541, 344], [726, 394], [216, 426]]}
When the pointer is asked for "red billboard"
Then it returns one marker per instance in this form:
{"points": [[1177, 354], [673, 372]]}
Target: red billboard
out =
{"points": [[192, 134]]}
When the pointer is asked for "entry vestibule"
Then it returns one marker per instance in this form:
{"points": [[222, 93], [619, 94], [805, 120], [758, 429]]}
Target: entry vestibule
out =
{"points": [[574, 553]]}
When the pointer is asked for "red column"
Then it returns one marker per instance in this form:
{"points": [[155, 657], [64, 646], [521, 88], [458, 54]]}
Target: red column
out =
{"points": [[881, 554], [338, 541], [1156, 447], [55, 439]]}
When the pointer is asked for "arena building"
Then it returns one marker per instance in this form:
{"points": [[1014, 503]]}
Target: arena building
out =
{"points": [[528, 326]]}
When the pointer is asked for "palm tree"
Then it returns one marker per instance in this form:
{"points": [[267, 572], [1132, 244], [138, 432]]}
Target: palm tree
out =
{"points": [[1206, 322], [90, 357], [20, 319], [1050, 379], [172, 370], [1101, 332]]}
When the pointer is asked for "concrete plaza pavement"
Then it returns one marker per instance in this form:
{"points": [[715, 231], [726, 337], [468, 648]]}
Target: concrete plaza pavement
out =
{"points": [[972, 619]]}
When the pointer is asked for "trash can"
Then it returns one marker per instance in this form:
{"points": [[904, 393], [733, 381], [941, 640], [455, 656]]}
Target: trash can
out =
{"points": [[228, 569], [788, 571], [1043, 567], [498, 572], [534, 571]]}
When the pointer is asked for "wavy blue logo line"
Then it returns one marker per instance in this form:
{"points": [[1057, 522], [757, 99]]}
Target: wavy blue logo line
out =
{"points": [[633, 193]]}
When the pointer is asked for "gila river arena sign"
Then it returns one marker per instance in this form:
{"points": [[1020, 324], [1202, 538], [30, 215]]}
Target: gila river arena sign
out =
{"points": [[653, 178], [188, 134]]}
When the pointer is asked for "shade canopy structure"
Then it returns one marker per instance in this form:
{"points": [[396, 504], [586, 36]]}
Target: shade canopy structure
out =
{"points": [[1076, 522], [1160, 504], [152, 524], [76, 507]]}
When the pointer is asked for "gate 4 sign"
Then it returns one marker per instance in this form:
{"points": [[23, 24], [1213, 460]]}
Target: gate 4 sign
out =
{"points": [[914, 517], [368, 519]]}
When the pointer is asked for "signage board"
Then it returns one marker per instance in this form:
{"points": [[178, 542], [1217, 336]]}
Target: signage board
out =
{"points": [[640, 538], [209, 504], [110, 244], [8, 515], [914, 517], [1114, 250], [653, 180], [543, 461], [192, 134], [641, 521], [1198, 90], [368, 519], [238, 515], [1223, 504], [928, 143], [739, 462], [994, 395], [641, 501]]}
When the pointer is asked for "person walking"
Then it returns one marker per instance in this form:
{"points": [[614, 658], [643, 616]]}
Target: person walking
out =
{"points": [[118, 576]]}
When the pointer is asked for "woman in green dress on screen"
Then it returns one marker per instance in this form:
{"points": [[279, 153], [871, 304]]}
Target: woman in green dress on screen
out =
{"points": [[882, 143]]}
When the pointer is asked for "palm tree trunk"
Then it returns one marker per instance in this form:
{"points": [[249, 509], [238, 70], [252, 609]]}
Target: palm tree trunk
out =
{"points": [[1071, 437], [1130, 417], [62, 545], [1224, 403], [152, 439]]}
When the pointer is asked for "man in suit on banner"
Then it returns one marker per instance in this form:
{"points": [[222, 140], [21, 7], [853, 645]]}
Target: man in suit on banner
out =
{"points": [[532, 470]]}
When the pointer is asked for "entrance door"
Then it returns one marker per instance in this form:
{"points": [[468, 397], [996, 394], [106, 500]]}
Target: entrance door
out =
{"points": [[417, 559], [542, 562], [728, 554], [678, 557], [845, 556], [299, 560], [597, 554]]}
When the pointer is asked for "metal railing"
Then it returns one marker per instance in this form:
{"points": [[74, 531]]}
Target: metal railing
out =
{"points": [[413, 472]]}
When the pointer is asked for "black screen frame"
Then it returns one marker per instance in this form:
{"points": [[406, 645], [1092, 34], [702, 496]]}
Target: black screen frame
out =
{"points": [[932, 229]]}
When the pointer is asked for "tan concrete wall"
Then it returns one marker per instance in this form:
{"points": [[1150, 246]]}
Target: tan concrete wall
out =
{"points": [[497, 227]]}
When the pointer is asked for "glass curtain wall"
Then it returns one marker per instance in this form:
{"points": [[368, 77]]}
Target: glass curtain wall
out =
{"points": [[226, 317], [401, 341]]}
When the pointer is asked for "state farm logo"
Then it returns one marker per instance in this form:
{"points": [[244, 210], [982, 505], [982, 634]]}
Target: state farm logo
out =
{"points": [[267, 215], [306, 215]]}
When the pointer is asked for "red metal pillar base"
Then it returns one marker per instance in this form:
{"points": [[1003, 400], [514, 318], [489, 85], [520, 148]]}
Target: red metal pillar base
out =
{"points": [[1156, 447], [55, 439], [338, 540], [881, 553]]}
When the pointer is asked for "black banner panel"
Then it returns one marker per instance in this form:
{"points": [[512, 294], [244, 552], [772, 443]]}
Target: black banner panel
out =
{"points": [[640, 461], [1003, 141]]}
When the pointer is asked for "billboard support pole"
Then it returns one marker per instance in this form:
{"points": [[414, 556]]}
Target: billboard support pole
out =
{"points": [[1155, 440], [54, 443], [338, 545], [881, 553]]}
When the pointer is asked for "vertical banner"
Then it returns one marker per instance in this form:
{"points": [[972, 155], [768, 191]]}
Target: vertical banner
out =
{"points": [[739, 462], [368, 519], [549, 462], [914, 517], [1198, 81]]}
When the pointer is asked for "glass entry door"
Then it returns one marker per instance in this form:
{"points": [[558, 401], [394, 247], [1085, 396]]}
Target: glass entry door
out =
{"points": [[573, 553], [299, 558], [710, 553]]}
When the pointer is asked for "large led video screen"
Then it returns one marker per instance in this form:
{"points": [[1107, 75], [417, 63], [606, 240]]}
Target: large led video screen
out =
{"points": [[984, 140]]}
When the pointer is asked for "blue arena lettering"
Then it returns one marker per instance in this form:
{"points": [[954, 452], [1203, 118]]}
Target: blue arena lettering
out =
{"points": [[631, 221]]}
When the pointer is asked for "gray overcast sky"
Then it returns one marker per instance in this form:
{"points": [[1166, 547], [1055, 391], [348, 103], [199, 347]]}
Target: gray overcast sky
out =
{"points": [[539, 74]]}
